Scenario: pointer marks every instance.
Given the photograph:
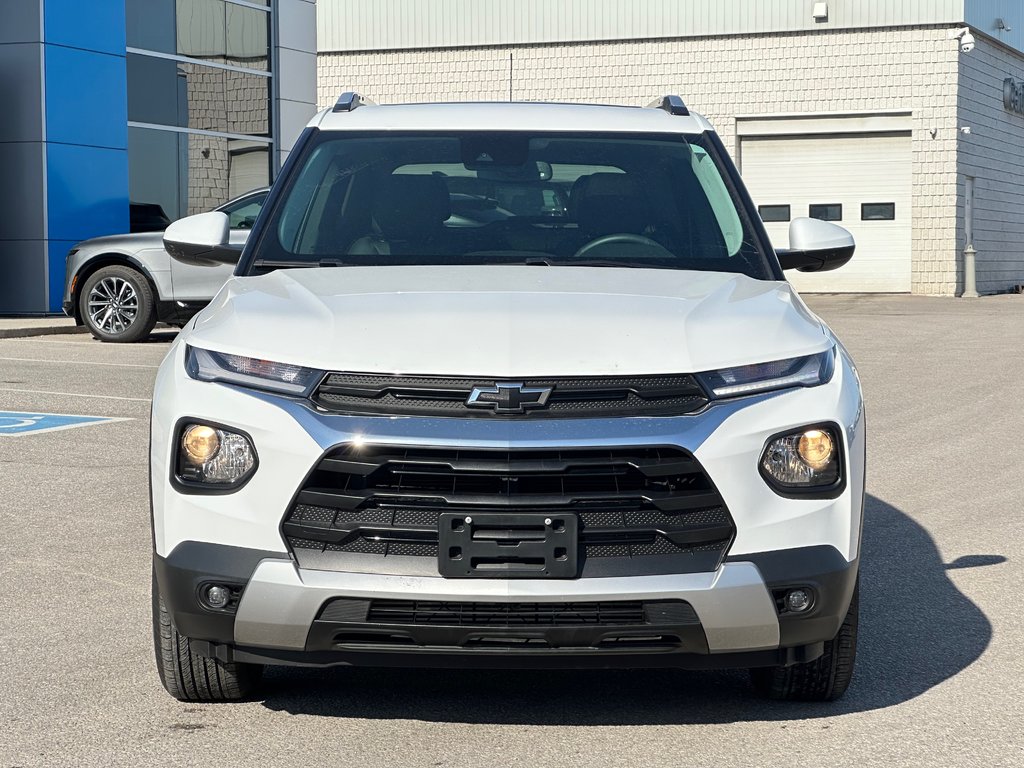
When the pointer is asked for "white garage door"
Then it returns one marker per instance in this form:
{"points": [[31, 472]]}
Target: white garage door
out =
{"points": [[860, 182]]}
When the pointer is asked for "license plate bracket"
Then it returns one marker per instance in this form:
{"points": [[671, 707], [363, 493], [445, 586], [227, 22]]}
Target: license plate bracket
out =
{"points": [[508, 546]]}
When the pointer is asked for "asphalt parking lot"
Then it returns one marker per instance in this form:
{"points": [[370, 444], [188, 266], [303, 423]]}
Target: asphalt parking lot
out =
{"points": [[939, 679]]}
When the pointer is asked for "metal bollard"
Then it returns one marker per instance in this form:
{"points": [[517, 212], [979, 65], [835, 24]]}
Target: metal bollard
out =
{"points": [[970, 286]]}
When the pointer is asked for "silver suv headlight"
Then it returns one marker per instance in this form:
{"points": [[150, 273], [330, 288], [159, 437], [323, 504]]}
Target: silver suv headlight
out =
{"points": [[206, 365], [809, 371]]}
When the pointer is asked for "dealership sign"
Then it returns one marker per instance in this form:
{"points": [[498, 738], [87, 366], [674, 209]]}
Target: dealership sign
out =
{"points": [[1013, 95]]}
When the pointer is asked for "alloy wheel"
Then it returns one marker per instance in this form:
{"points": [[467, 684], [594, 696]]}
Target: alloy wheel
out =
{"points": [[113, 305]]}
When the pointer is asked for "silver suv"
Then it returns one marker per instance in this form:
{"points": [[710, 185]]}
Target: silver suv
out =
{"points": [[119, 286]]}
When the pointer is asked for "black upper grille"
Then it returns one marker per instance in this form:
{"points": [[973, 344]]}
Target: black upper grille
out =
{"points": [[631, 503], [357, 393]]}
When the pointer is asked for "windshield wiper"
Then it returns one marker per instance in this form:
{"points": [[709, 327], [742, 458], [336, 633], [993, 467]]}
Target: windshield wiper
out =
{"points": [[288, 264], [586, 263]]}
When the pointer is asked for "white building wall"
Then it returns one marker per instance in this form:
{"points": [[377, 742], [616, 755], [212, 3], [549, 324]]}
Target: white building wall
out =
{"points": [[721, 77], [362, 25], [993, 153]]}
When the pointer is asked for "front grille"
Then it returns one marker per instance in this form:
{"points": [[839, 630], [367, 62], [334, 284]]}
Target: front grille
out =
{"points": [[473, 614], [632, 503], [663, 395]]}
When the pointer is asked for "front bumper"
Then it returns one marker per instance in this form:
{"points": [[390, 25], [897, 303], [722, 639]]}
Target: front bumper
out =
{"points": [[282, 616], [779, 542]]}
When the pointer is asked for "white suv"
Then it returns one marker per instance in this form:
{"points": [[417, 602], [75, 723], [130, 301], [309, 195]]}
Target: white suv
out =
{"points": [[507, 385]]}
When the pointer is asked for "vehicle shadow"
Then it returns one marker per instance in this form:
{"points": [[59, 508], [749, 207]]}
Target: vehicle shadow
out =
{"points": [[917, 630]]}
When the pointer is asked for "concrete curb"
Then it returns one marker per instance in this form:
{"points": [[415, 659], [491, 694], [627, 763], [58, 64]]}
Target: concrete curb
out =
{"points": [[39, 330]]}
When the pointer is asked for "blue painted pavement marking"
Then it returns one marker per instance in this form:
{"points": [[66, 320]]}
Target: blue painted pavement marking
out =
{"points": [[15, 423]]}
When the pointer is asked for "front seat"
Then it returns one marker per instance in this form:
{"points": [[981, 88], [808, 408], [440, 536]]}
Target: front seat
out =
{"points": [[408, 217], [610, 204]]}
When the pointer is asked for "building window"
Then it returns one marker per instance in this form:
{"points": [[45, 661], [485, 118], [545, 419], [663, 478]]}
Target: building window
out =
{"points": [[771, 213], [199, 103], [878, 212], [826, 211]]}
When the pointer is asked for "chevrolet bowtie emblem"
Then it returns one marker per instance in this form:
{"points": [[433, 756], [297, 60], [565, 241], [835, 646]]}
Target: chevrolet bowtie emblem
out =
{"points": [[509, 397]]}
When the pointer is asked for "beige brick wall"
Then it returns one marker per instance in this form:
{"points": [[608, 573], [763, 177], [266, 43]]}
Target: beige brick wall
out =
{"points": [[721, 77], [993, 153]]}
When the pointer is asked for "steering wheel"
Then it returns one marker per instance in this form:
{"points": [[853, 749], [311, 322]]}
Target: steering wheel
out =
{"points": [[622, 237]]}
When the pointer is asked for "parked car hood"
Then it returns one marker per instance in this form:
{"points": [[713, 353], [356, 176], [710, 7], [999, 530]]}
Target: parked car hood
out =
{"points": [[508, 321], [130, 243]]}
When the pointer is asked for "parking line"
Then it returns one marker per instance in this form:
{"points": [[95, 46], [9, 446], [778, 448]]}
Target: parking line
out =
{"points": [[92, 343], [77, 362], [77, 394]]}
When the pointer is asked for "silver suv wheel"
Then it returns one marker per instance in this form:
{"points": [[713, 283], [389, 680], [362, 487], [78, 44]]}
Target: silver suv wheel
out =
{"points": [[116, 304], [113, 305]]}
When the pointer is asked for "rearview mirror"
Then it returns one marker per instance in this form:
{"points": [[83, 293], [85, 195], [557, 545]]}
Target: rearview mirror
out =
{"points": [[202, 239], [816, 246]]}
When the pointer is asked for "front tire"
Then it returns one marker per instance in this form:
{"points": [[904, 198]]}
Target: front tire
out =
{"points": [[116, 304], [186, 675], [824, 679]]}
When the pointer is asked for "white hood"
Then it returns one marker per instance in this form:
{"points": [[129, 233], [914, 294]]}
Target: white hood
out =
{"points": [[508, 321]]}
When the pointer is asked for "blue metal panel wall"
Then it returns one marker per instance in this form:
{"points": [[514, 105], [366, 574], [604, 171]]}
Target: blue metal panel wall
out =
{"points": [[86, 134]]}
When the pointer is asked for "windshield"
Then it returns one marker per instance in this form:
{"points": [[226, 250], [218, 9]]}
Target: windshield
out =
{"points": [[657, 201]]}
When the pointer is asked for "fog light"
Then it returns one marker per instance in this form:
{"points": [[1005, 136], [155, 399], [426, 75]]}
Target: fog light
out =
{"points": [[816, 448], [217, 597], [798, 600], [201, 443]]}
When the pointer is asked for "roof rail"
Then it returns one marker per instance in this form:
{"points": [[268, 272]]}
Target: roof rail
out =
{"points": [[674, 105], [348, 101]]}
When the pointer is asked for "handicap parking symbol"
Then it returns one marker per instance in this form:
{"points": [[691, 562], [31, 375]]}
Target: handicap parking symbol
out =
{"points": [[15, 423]]}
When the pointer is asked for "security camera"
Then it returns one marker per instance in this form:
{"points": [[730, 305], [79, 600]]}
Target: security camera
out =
{"points": [[966, 38]]}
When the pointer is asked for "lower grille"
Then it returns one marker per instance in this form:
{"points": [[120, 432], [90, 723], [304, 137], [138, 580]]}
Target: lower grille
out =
{"points": [[613, 613], [643, 509], [606, 627]]}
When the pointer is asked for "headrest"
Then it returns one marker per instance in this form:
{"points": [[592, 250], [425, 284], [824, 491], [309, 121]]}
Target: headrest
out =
{"points": [[408, 206], [604, 183], [610, 203]]}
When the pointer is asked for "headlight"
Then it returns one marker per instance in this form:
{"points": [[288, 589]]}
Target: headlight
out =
{"points": [[213, 456], [807, 459], [206, 365], [807, 371]]}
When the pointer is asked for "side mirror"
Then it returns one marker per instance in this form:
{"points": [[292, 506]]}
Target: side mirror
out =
{"points": [[202, 239], [816, 246]]}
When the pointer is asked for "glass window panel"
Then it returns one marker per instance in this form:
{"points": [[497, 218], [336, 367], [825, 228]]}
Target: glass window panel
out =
{"points": [[150, 24], [187, 95], [222, 169], [248, 103], [826, 212], [201, 29], [203, 94], [247, 37], [156, 91], [207, 173], [771, 213], [248, 166], [878, 211], [154, 185], [243, 215]]}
